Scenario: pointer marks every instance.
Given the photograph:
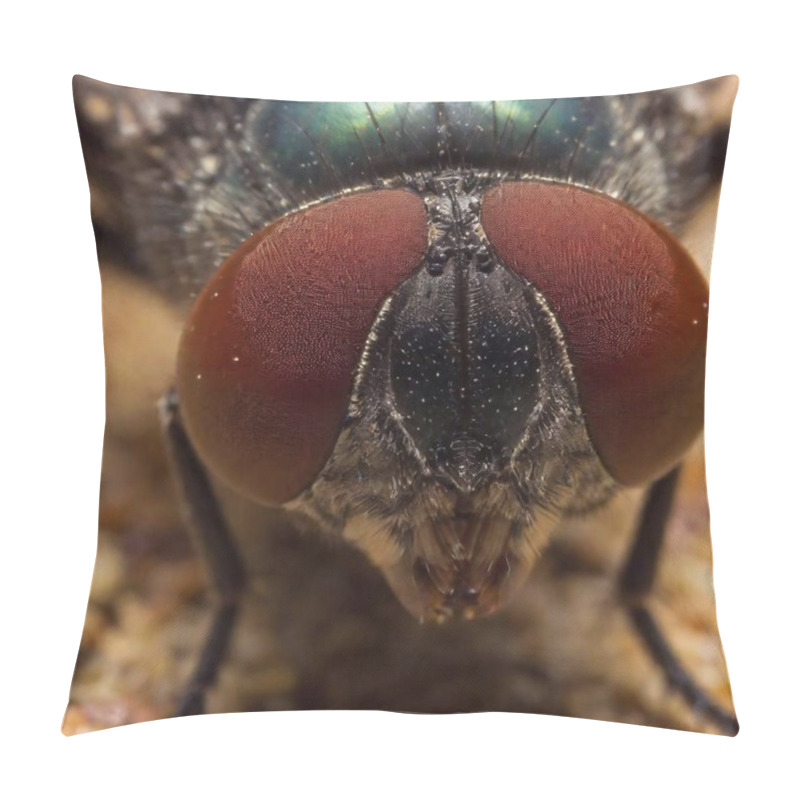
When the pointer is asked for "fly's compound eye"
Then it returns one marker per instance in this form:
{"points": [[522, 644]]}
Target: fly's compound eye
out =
{"points": [[268, 356], [633, 308]]}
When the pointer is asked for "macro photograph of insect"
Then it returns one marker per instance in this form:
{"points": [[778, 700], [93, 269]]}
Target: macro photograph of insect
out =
{"points": [[405, 405]]}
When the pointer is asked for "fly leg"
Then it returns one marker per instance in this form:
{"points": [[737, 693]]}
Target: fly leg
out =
{"points": [[635, 584], [216, 547]]}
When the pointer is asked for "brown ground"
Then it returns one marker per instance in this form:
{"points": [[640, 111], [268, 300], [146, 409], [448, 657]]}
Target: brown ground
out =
{"points": [[320, 629]]}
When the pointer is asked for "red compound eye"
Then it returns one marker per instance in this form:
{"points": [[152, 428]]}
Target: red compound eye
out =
{"points": [[633, 307], [267, 360]]}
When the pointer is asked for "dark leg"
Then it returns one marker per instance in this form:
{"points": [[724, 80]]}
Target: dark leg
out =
{"points": [[635, 583], [216, 547]]}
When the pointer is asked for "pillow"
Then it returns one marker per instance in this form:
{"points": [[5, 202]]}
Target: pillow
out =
{"points": [[404, 407]]}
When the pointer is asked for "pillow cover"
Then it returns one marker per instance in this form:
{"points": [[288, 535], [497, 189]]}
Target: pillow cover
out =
{"points": [[424, 383]]}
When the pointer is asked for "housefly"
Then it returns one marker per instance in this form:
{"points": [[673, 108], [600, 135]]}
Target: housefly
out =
{"points": [[418, 341]]}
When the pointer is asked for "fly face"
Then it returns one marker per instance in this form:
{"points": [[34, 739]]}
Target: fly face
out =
{"points": [[430, 330], [441, 364]]}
